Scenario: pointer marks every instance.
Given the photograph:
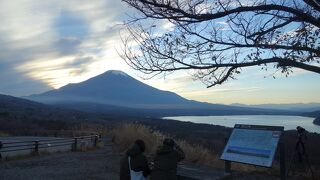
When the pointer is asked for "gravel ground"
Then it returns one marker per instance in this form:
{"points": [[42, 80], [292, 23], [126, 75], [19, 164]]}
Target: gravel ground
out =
{"points": [[99, 164], [93, 165]]}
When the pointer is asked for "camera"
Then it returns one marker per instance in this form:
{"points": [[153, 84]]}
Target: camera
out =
{"points": [[300, 130], [302, 135]]}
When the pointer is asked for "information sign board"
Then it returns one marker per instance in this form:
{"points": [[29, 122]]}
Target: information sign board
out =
{"points": [[252, 144]]}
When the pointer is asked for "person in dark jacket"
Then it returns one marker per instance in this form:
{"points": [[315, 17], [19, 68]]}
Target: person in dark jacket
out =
{"points": [[165, 161], [138, 161]]}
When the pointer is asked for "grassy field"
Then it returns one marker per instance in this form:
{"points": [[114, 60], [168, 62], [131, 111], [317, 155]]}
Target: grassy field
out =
{"points": [[125, 135]]}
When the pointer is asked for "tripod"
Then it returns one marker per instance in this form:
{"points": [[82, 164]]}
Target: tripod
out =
{"points": [[300, 155]]}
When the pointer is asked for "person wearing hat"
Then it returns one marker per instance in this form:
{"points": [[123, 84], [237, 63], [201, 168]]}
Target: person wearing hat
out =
{"points": [[165, 162], [134, 161]]}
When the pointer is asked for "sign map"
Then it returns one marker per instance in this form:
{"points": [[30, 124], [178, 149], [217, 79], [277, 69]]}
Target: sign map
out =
{"points": [[252, 144]]}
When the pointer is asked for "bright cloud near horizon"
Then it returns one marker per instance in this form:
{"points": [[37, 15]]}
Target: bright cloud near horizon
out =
{"points": [[45, 45]]}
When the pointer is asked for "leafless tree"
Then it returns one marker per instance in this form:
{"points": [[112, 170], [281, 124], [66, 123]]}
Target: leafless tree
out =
{"points": [[217, 39]]}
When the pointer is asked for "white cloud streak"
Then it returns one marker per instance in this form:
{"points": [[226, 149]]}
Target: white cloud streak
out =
{"points": [[48, 40]]}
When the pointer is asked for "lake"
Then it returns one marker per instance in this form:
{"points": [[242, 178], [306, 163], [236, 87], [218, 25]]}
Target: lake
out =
{"points": [[289, 122]]}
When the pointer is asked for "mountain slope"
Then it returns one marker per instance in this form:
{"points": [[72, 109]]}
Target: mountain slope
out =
{"points": [[23, 117], [111, 87], [22, 109], [315, 114], [116, 92], [317, 121]]}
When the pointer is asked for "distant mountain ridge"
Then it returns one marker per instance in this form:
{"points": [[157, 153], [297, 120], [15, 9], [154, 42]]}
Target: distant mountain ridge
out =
{"points": [[317, 121], [115, 91], [315, 114], [301, 107], [22, 109]]}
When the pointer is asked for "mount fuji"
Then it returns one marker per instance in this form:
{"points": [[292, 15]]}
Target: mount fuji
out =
{"points": [[118, 93]]}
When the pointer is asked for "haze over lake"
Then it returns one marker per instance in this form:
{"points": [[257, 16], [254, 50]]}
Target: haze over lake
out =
{"points": [[289, 122]]}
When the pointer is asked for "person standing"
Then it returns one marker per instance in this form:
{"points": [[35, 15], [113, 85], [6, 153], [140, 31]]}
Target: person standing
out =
{"points": [[165, 162], [134, 165]]}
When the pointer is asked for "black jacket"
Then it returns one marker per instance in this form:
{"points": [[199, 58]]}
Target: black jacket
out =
{"points": [[165, 163], [138, 163]]}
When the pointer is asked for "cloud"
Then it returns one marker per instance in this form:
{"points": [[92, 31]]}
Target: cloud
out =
{"points": [[206, 92], [52, 43], [48, 44], [19, 83], [222, 25]]}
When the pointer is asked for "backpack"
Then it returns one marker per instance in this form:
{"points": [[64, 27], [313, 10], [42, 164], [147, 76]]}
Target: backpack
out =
{"points": [[135, 175]]}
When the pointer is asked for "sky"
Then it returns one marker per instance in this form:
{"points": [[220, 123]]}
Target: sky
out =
{"points": [[45, 45]]}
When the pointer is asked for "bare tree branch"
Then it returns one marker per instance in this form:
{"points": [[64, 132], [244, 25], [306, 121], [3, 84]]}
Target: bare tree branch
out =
{"points": [[219, 38]]}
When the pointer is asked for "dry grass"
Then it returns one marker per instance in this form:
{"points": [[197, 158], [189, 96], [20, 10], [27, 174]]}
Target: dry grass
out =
{"points": [[84, 129], [3, 134], [126, 134]]}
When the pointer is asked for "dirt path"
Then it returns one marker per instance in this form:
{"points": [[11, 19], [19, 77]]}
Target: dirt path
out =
{"points": [[99, 164]]}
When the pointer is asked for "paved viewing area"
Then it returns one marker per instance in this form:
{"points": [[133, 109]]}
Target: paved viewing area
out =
{"points": [[96, 164]]}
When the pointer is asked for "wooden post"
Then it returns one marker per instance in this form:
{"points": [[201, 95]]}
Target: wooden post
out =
{"points": [[283, 168], [75, 144], [36, 147], [227, 164], [95, 141]]}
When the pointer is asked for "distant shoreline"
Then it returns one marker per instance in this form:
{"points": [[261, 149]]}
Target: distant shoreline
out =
{"points": [[289, 122], [316, 121]]}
